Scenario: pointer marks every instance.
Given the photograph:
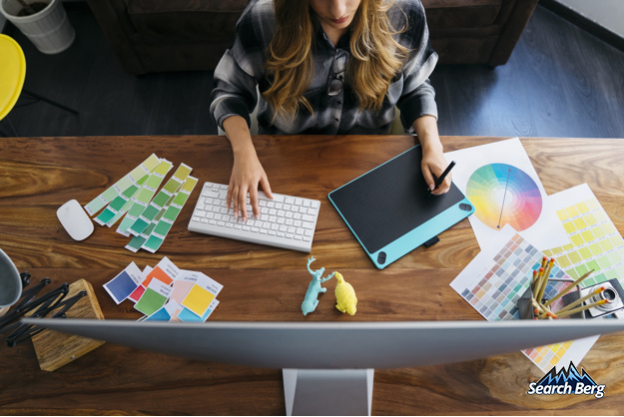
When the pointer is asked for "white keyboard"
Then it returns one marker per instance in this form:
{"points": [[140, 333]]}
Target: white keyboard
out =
{"points": [[285, 222]]}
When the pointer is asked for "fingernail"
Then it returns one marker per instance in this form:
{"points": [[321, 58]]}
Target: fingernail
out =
{"points": [[432, 187]]}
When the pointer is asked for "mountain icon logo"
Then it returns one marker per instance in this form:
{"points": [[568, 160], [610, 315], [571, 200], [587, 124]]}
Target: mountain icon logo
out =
{"points": [[566, 382]]}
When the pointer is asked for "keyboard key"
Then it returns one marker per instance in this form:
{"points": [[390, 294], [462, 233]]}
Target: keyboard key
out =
{"points": [[297, 223], [262, 203], [279, 206], [303, 210], [289, 215], [283, 228], [195, 219], [308, 225], [289, 200], [306, 203], [287, 207], [205, 220], [200, 206], [280, 220], [300, 231], [289, 222], [271, 204], [297, 216], [281, 213], [210, 193], [307, 218], [200, 213], [217, 217], [280, 234], [311, 212], [291, 230], [298, 201], [290, 236]]}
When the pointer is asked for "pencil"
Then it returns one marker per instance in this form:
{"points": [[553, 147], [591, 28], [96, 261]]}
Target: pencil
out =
{"points": [[538, 286], [545, 278], [567, 289], [580, 300], [583, 308]]}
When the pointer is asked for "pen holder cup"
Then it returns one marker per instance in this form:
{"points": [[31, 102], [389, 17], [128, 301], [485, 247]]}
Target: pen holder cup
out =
{"points": [[525, 306]]}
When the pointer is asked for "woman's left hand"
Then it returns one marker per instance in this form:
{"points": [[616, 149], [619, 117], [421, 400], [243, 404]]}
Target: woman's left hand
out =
{"points": [[434, 163], [433, 160]]}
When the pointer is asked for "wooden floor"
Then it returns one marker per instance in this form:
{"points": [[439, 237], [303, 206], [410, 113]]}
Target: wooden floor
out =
{"points": [[559, 82]]}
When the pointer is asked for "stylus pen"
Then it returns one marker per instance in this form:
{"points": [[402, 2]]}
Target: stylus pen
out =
{"points": [[444, 174]]}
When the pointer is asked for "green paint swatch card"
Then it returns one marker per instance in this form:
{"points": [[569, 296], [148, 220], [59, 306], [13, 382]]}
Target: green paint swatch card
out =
{"points": [[120, 186], [154, 297]]}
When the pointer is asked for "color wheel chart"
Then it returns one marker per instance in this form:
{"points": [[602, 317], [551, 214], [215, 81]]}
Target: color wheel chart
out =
{"points": [[503, 194], [493, 283]]}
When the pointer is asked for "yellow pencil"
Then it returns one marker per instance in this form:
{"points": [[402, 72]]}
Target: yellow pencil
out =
{"points": [[580, 300], [583, 308], [567, 289], [545, 278]]}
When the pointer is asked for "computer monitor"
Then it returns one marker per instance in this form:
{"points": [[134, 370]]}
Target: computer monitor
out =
{"points": [[334, 360]]}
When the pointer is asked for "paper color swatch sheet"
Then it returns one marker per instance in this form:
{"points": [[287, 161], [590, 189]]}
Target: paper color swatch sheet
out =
{"points": [[596, 243], [501, 183], [493, 282]]}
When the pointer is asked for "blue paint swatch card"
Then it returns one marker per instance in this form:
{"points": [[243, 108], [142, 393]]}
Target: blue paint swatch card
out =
{"points": [[120, 287], [188, 316]]}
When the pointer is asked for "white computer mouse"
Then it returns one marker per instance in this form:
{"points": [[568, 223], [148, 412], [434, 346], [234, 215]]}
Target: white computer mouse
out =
{"points": [[75, 220]]}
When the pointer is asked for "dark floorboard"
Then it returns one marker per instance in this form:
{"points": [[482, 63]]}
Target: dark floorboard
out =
{"points": [[560, 81]]}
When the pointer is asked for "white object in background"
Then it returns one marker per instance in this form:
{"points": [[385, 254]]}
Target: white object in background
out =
{"points": [[49, 30], [10, 283], [75, 220]]}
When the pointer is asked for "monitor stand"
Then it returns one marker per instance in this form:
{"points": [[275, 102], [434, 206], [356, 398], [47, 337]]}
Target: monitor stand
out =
{"points": [[318, 392]]}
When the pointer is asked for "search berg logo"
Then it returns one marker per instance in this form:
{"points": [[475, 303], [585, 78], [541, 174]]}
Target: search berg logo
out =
{"points": [[566, 383]]}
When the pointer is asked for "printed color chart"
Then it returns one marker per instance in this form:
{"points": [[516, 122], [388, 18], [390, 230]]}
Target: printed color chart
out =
{"points": [[492, 283], [596, 243], [503, 194]]}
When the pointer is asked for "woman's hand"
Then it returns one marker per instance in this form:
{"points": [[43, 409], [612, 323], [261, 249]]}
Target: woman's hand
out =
{"points": [[247, 171], [434, 163], [433, 160]]}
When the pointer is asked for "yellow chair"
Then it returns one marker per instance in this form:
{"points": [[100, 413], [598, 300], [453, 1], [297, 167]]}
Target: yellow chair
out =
{"points": [[12, 75]]}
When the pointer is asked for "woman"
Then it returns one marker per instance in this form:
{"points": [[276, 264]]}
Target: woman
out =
{"points": [[325, 67]]}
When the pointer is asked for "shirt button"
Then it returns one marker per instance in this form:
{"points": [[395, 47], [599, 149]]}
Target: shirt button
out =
{"points": [[337, 119]]}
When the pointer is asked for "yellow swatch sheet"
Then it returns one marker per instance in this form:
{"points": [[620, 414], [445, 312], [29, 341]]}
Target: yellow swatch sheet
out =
{"points": [[595, 244]]}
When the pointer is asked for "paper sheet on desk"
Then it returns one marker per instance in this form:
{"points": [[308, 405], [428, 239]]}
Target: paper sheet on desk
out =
{"points": [[500, 181], [595, 241], [495, 279]]}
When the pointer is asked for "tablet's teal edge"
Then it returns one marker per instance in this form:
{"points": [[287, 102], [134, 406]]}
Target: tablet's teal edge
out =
{"points": [[414, 238]]}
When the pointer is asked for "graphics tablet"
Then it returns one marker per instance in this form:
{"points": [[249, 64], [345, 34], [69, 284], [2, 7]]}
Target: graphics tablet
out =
{"points": [[389, 212]]}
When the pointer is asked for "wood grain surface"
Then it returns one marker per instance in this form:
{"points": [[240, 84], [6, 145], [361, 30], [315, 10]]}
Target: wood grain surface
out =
{"points": [[55, 349], [37, 175]]}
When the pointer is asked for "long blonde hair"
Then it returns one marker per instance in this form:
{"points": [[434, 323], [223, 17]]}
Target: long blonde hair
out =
{"points": [[375, 56]]}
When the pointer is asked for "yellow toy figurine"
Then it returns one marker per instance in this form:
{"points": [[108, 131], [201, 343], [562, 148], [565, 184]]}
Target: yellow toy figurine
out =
{"points": [[345, 296]]}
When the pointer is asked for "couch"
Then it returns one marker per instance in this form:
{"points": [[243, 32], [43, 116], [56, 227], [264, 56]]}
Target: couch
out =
{"points": [[188, 35]]}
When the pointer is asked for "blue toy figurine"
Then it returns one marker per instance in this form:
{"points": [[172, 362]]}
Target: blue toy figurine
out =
{"points": [[310, 301]]}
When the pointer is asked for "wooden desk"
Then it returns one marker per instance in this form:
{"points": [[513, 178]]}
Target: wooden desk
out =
{"points": [[37, 175]]}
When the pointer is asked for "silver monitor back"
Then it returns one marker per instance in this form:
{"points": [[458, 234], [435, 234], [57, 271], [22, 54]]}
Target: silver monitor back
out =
{"points": [[334, 345]]}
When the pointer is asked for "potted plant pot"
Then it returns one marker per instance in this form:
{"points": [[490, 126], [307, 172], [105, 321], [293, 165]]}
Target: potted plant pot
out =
{"points": [[44, 22]]}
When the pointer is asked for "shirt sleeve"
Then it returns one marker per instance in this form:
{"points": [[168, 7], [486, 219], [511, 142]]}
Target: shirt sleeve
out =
{"points": [[237, 74], [418, 96]]}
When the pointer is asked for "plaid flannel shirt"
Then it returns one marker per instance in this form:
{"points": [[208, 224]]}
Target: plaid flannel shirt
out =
{"points": [[241, 69]]}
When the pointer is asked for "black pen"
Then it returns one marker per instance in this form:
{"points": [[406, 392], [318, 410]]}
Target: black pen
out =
{"points": [[441, 178]]}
